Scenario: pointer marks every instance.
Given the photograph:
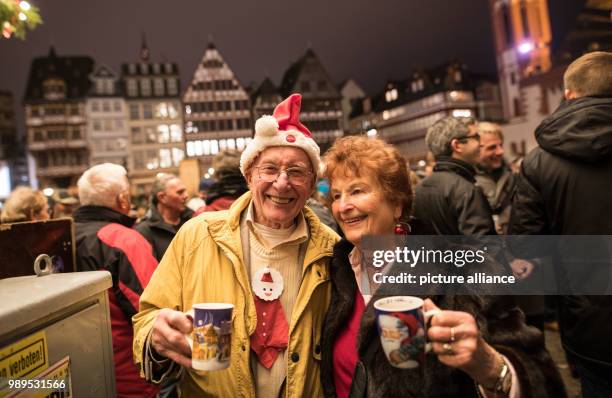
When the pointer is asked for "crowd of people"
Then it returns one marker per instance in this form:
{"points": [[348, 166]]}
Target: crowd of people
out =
{"points": [[264, 212]]}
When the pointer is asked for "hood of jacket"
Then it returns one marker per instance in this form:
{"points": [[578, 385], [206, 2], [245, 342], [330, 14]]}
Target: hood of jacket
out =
{"points": [[579, 129]]}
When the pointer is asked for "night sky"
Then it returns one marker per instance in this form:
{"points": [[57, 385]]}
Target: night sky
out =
{"points": [[367, 40]]}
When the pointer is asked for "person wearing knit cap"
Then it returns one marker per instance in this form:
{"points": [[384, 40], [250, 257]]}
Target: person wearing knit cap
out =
{"points": [[268, 255]]}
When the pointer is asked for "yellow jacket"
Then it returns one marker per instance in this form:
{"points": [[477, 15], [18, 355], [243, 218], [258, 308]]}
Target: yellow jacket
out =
{"points": [[204, 263]]}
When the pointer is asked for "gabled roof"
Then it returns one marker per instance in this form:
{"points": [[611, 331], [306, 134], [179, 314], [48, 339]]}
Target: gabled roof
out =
{"points": [[266, 89], [293, 73], [74, 71]]}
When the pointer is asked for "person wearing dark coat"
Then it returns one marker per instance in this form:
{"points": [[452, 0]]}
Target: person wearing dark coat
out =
{"points": [[481, 344], [168, 212], [449, 198], [564, 189], [229, 183], [106, 241]]}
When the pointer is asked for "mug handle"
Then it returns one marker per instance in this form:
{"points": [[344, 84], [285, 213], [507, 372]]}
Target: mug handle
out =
{"points": [[189, 314], [427, 316]]}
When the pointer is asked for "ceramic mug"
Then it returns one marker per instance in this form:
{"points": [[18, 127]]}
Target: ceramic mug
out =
{"points": [[211, 338], [402, 325]]}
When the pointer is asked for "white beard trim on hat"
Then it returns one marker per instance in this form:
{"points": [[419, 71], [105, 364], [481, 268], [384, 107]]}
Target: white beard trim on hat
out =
{"points": [[268, 284]]}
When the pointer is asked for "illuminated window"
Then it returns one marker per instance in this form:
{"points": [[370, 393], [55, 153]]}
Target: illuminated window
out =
{"points": [[165, 158], [163, 133], [161, 110], [240, 144], [175, 133], [190, 148], [177, 156], [391, 95]]}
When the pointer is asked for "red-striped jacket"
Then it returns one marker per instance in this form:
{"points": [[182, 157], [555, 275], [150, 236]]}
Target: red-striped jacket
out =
{"points": [[106, 241]]}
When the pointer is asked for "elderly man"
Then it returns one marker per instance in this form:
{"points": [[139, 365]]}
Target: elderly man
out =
{"points": [[216, 256], [106, 241], [448, 198], [168, 212]]}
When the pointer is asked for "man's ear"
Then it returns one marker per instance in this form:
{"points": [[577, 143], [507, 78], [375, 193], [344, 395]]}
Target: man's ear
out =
{"points": [[454, 144], [160, 196], [569, 94]]}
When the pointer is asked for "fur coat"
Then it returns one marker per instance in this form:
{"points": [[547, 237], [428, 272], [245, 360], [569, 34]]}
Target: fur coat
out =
{"points": [[501, 323]]}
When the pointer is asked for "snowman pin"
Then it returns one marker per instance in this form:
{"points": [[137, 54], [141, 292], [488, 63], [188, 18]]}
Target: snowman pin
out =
{"points": [[272, 332]]}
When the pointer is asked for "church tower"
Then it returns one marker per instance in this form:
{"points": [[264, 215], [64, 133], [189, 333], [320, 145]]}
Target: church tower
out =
{"points": [[522, 46]]}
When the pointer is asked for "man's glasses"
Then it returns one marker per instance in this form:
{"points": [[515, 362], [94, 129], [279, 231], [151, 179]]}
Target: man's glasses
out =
{"points": [[469, 137], [295, 175]]}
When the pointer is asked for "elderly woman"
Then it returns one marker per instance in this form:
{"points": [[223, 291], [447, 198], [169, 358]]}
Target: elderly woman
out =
{"points": [[218, 256], [25, 204], [492, 352]]}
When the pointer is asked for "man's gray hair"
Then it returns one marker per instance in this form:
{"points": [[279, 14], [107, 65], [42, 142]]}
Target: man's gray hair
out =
{"points": [[101, 184], [160, 184], [442, 132]]}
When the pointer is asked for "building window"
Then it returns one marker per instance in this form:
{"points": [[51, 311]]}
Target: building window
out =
{"points": [[39, 135], [158, 87], [305, 86], [117, 106], [165, 158], [145, 87], [517, 107], [132, 69], [172, 86], [168, 68], [321, 85], [137, 137], [134, 112], [147, 111], [391, 95], [106, 106], [99, 86], [163, 133], [458, 76], [144, 69], [95, 106], [109, 86], [150, 135], [175, 133], [97, 125], [177, 156], [76, 134], [132, 88], [156, 69]]}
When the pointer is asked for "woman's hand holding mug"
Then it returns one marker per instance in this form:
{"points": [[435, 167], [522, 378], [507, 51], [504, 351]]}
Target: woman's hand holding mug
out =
{"points": [[457, 342]]}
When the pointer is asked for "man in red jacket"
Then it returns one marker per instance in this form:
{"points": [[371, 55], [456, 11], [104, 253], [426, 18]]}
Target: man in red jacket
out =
{"points": [[106, 241]]}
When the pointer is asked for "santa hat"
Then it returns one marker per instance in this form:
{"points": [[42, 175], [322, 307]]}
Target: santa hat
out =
{"points": [[282, 129], [267, 277]]}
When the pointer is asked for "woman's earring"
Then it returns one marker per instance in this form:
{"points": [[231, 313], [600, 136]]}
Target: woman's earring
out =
{"points": [[402, 228]]}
